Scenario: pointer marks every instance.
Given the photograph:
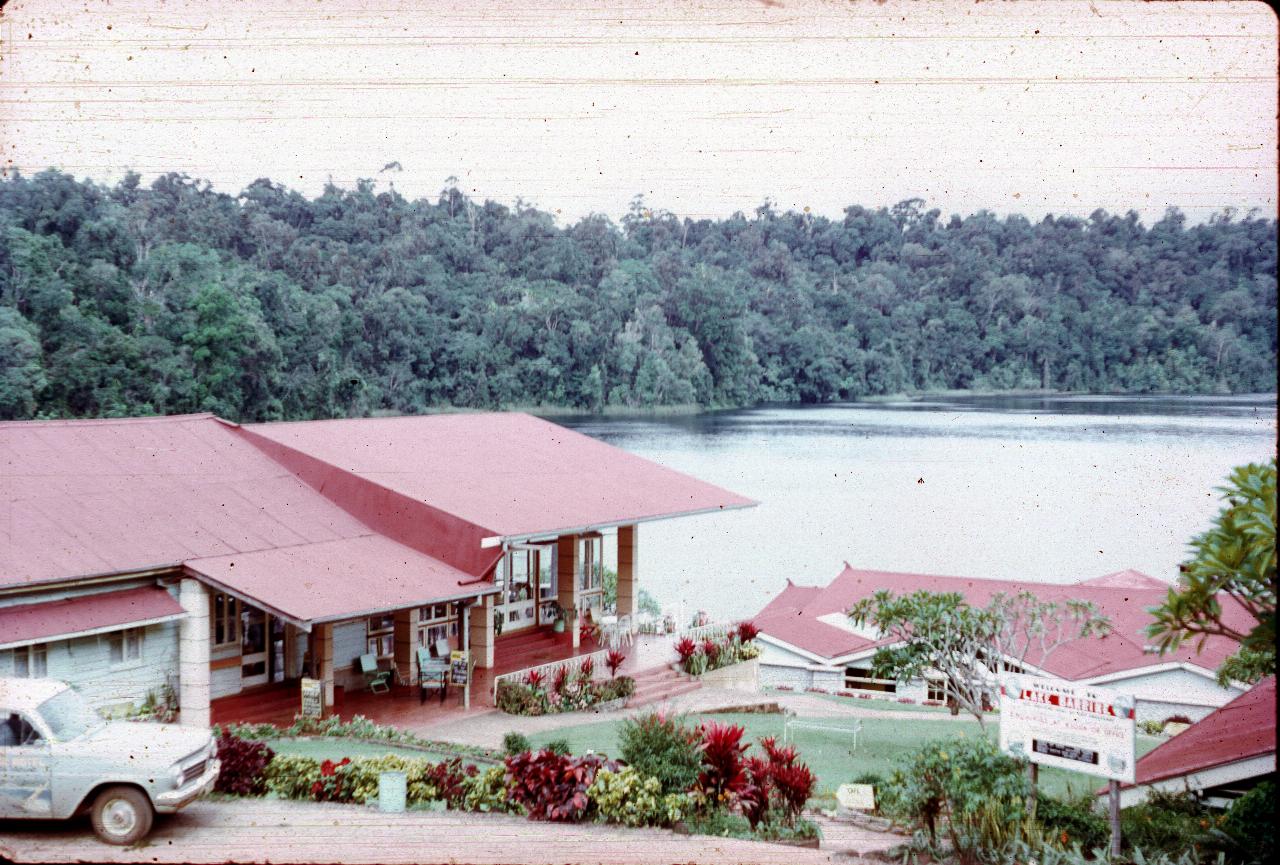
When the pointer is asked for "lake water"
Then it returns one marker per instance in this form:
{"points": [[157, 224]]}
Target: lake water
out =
{"points": [[1046, 489]]}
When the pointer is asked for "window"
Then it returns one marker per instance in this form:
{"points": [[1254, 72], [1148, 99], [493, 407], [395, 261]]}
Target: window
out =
{"points": [[436, 622], [383, 645], [31, 662], [936, 689], [226, 620], [125, 646], [860, 679], [378, 624], [590, 563], [546, 573]]}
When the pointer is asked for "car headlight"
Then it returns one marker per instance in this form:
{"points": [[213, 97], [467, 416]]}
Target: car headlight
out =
{"points": [[177, 774]]}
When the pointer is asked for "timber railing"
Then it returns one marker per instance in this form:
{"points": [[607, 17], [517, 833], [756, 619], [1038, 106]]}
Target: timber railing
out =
{"points": [[573, 664]]}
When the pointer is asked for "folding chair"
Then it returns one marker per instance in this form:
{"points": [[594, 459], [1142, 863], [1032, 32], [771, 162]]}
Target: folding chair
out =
{"points": [[433, 673], [375, 680]]}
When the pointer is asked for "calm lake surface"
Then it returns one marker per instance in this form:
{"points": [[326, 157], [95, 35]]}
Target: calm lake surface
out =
{"points": [[1050, 489]]}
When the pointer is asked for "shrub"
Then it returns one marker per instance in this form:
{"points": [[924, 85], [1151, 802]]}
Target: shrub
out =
{"points": [[560, 679], [615, 689], [1073, 821], [747, 631], [552, 786], [662, 747], [517, 699], [978, 792], [515, 743], [723, 774], [628, 798], [613, 661], [1247, 831], [486, 792], [1165, 822], [244, 764], [686, 648], [291, 777], [535, 678], [332, 784], [585, 671], [558, 746], [1151, 728]]}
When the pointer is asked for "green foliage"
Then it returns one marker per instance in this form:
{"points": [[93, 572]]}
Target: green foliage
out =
{"points": [[359, 728], [1070, 822], [628, 798], [292, 777], [1165, 822], [486, 792], [573, 694], [557, 746], [1236, 556], [264, 304], [663, 747], [1247, 832], [965, 787], [514, 743]]}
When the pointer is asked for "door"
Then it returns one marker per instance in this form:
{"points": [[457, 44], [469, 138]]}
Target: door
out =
{"points": [[26, 770], [253, 647], [517, 577]]}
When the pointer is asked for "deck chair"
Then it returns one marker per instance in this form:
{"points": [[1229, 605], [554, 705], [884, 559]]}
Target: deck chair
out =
{"points": [[433, 674], [374, 679]]}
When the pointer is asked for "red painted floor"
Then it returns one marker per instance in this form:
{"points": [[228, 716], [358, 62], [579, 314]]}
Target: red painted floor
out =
{"points": [[402, 706]]}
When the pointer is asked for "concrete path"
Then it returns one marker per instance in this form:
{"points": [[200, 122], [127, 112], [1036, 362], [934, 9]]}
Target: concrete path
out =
{"points": [[268, 830]]}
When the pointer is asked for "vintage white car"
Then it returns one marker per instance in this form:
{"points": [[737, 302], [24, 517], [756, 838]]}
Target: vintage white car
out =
{"points": [[60, 759]]}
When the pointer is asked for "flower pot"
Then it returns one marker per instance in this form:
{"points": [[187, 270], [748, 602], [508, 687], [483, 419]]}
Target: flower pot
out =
{"points": [[558, 626]]}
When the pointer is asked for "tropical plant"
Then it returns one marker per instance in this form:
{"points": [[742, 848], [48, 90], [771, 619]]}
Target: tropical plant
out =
{"points": [[723, 774], [1233, 564], [663, 747], [514, 743], [244, 765], [614, 660], [486, 792], [553, 787], [535, 678], [629, 798]]}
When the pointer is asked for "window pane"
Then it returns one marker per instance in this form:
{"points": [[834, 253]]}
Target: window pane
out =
{"points": [[116, 652], [40, 661], [21, 668]]}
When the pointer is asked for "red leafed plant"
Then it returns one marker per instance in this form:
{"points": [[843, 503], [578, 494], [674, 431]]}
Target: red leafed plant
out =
{"points": [[747, 631], [560, 680], [711, 649], [722, 776], [535, 678], [244, 764], [448, 777], [686, 648], [586, 670], [551, 786], [779, 756], [753, 799], [331, 786], [614, 660], [794, 785]]}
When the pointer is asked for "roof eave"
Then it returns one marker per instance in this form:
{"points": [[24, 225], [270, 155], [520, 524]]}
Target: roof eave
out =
{"points": [[549, 533]]}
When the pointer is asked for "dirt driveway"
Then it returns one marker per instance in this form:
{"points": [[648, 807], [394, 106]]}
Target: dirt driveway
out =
{"points": [[280, 831]]}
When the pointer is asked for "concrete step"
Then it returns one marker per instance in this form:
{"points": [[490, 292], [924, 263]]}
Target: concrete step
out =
{"points": [[660, 692]]}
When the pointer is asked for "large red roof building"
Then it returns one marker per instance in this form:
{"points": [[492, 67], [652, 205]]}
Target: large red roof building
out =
{"points": [[144, 551], [810, 642]]}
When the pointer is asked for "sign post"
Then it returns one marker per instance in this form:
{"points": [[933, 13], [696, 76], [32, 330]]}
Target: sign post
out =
{"points": [[1052, 722], [460, 674], [312, 698]]}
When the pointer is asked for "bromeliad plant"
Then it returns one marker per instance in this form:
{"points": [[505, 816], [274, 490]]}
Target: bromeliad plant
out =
{"points": [[569, 691], [712, 654], [613, 661]]}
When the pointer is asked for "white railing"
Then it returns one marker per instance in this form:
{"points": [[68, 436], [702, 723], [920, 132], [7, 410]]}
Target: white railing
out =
{"points": [[548, 669], [792, 724], [714, 631]]}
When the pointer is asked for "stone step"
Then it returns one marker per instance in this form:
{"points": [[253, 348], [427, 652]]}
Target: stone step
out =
{"points": [[658, 693]]}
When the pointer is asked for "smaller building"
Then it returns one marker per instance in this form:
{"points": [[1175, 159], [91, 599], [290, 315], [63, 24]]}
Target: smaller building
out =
{"points": [[1219, 758], [808, 641]]}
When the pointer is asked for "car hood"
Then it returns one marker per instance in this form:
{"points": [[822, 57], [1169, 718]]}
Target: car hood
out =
{"points": [[147, 743]]}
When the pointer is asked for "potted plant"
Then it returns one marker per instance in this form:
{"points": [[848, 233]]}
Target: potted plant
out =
{"points": [[497, 623], [557, 613]]}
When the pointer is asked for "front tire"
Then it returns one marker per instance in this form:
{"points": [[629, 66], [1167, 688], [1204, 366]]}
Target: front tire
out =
{"points": [[121, 815]]}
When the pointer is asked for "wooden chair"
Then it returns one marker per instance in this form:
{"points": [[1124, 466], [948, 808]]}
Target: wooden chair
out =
{"points": [[375, 680], [433, 674]]}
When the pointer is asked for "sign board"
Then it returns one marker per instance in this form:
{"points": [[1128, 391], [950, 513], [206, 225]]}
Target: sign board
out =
{"points": [[458, 667], [856, 797], [312, 698], [1058, 723]]}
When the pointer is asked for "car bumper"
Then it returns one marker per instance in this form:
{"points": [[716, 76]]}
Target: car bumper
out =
{"points": [[175, 799]]}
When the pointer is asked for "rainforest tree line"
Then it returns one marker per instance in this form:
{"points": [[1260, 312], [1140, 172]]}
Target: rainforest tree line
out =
{"points": [[130, 299]]}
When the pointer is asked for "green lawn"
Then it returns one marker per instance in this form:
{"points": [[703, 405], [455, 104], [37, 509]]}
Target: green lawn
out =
{"points": [[830, 752]]}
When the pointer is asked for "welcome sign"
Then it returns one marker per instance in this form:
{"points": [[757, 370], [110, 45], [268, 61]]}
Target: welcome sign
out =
{"points": [[1054, 722]]}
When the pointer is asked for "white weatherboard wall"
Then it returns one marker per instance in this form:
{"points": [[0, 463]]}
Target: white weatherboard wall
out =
{"points": [[349, 643], [1163, 693]]}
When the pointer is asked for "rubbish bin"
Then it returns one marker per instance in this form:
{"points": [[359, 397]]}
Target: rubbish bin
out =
{"points": [[391, 791]]}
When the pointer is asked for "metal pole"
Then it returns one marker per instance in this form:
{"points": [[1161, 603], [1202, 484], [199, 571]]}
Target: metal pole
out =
{"points": [[465, 641], [1114, 796]]}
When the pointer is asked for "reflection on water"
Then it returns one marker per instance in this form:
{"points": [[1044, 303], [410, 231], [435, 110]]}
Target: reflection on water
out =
{"points": [[1031, 487]]}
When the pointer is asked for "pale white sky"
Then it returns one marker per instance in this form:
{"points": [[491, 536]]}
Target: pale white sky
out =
{"points": [[706, 108]]}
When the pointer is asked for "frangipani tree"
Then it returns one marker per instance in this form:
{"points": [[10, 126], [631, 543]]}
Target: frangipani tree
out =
{"points": [[942, 635], [1235, 558]]}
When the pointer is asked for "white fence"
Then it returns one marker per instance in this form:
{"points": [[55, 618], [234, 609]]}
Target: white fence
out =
{"points": [[548, 669]]}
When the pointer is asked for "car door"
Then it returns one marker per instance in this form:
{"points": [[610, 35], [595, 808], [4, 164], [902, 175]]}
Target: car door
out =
{"points": [[26, 768]]}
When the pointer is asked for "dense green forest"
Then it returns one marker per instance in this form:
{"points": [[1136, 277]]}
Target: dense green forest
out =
{"points": [[176, 298]]}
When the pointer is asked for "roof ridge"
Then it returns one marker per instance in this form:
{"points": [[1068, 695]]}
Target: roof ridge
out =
{"points": [[109, 421]]}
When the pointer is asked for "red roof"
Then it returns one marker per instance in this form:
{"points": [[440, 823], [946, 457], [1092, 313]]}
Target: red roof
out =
{"points": [[23, 624], [337, 579], [793, 617], [1243, 728], [97, 497], [510, 474]]}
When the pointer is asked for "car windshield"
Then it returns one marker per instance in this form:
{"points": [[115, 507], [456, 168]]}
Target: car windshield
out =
{"points": [[69, 716]]}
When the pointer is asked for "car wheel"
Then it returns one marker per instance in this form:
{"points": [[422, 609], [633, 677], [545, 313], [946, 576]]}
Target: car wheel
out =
{"points": [[122, 815]]}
